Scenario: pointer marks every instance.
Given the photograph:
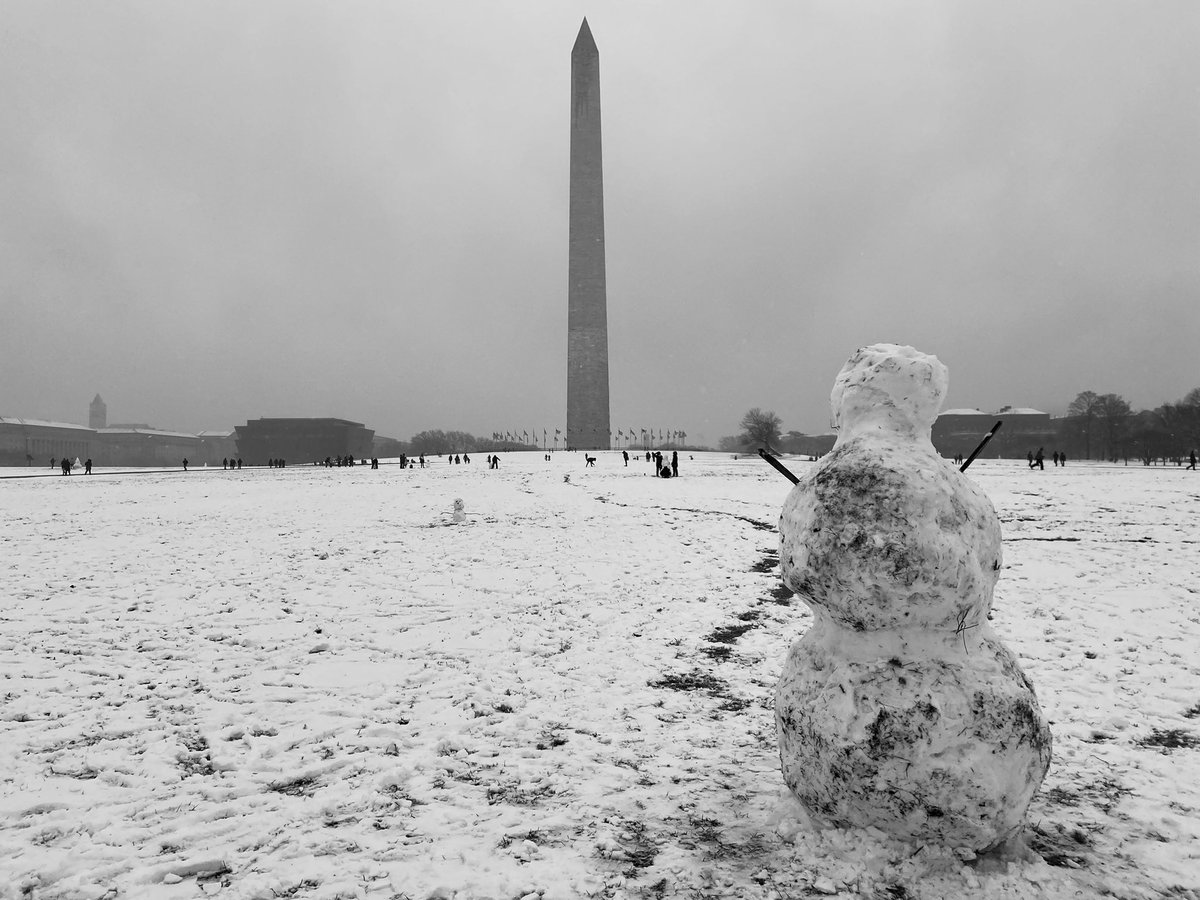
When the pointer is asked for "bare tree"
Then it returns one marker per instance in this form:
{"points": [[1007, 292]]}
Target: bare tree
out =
{"points": [[1086, 407], [1114, 415], [1150, 434], [1182, 421], [761, 429]]}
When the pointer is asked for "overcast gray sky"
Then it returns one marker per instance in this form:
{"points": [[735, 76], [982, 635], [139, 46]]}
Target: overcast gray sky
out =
{"points": [[214, 211]]}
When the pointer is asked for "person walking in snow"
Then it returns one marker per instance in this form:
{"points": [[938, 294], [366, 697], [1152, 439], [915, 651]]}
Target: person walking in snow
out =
{"points": [[1039, 461], [1192, 459], [674, 463]]}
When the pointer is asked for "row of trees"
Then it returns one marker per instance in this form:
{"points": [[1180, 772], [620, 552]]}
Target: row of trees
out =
{"points": [[1108, 428], [434, 442], [1097, 426]]}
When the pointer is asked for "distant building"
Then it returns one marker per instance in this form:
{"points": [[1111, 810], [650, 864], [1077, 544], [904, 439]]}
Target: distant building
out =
{"points": [[302, 440], [959, 431], [142, 445], [807, 444], [25, 442], [34, 442], [216, 446], [97, 414]]}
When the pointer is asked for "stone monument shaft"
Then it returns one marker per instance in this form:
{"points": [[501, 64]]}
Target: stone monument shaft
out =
{"points": [[587, 315]]}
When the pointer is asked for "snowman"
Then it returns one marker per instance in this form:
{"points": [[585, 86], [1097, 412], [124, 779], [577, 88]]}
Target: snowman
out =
{"points": [[900, 709]]}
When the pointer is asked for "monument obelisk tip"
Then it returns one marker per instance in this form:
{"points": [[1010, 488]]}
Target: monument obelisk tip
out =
{"points": [[584, 42]]}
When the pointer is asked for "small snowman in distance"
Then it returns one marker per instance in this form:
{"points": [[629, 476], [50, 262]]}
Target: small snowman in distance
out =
{"points": [[900, 708]]}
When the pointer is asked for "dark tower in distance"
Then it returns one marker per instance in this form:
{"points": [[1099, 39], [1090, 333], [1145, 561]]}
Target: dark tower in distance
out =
{"points": [[587, 314], [97, 414]]}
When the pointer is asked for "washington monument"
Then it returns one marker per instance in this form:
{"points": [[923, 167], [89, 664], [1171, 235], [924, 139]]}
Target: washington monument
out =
{"points": [[587, 316]]}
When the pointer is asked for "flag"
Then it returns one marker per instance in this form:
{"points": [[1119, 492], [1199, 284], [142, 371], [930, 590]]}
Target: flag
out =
{"points": [[557, 431]]}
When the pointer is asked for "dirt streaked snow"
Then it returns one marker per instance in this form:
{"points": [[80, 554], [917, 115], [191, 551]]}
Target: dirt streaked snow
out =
{"points": [[304, 683]]}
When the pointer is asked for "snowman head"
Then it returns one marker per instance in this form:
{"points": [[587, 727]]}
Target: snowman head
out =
{"points": [[886, 387]]}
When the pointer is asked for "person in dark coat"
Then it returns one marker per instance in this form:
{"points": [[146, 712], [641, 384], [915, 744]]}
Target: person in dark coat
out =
{"points": [[674, 463], [1039, 461], [87, 467], [625, 453]]}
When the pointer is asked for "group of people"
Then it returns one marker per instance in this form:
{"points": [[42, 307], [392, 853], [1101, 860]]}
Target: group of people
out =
{"points": [[228, 463], [662, 468], [66, 466], [1038, 460], [339, 461]]}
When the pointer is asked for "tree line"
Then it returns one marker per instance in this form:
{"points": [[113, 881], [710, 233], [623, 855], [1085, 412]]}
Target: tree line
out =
{"points": [[1104, 426], [1097, 426], [434, 442]]}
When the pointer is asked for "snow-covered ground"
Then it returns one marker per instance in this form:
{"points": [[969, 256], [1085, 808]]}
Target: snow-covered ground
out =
{"points": [[304, 683]]}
